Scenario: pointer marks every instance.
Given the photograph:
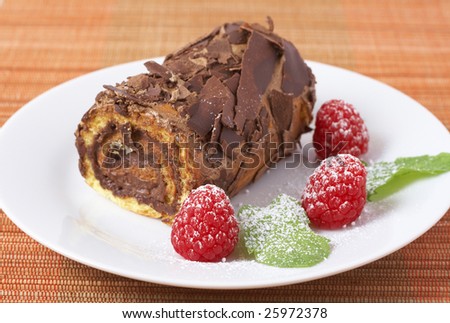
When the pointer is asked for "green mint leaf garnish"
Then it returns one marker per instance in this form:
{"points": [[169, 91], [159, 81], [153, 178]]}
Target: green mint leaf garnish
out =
{"points": [[386, 178], [279, 234]]}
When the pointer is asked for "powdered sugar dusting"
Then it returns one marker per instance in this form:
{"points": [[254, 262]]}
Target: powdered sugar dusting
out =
{"points": [[378, 174], [262, 221]]}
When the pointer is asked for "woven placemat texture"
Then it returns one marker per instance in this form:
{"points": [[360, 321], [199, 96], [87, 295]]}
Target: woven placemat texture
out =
{"points": [[403, 43]]}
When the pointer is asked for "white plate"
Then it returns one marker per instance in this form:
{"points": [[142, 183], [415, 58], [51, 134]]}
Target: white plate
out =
{"points": [[43, 193]]}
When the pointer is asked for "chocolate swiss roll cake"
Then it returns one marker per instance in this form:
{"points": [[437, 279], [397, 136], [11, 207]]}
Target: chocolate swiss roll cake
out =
{"points": [[221, 110]]}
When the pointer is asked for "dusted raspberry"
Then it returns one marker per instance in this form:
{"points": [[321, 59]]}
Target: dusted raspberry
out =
{"points": [[339, 130], [335, 193], [205, 229]]}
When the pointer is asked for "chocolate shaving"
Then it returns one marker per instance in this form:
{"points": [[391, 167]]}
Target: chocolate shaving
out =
{"points": [[186, 68], [217, 128], [258, 64], [229, 140], [153, 91], [270, 36], [121, 93], [139, 82], [213, 99], [157, 69], [233, 82], [270, 23], [220, 47], [195, 83], [295, 71], [199, 43], [121, 109], [235, 34], [281, 105]]}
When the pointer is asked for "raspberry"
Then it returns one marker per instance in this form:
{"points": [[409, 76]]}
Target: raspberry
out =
{"points": [[335, 193], [205, 229], [339, 130]]}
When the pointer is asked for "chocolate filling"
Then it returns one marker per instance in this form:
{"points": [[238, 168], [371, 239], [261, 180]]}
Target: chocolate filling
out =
{"points": [[131, 166]]}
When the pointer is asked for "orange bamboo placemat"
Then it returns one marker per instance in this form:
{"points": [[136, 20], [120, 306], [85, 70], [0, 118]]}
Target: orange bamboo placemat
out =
{"points": [[403, 43]]}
